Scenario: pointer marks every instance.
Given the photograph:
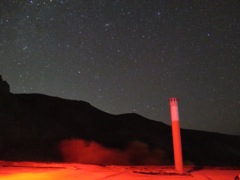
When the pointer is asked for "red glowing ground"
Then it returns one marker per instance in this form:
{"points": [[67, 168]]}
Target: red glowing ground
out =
{"points": [[61, 171]]}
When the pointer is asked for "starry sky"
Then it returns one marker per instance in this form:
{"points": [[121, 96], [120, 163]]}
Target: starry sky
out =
{"points": [[129, 56]]}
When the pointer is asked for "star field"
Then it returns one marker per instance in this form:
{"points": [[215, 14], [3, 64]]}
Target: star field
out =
{"points": [[128, 56]]}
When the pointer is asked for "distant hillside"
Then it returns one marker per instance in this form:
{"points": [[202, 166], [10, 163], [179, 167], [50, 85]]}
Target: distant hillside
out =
{"points": [[34, 126]]}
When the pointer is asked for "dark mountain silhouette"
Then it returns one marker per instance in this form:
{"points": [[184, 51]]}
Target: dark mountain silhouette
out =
{"points": [[33, 125], [4, 87]]}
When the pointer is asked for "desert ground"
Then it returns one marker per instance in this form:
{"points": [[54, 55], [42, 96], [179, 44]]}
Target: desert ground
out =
{"points": [[73, 171]]}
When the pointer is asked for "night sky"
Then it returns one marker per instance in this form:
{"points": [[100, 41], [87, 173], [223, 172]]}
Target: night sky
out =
{"points": [[129, 56]]}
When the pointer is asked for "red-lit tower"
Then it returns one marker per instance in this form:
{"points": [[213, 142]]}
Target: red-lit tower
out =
{"points": [[177, 145]]}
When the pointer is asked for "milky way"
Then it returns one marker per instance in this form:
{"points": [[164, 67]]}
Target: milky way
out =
{"points": [[128, 56]]}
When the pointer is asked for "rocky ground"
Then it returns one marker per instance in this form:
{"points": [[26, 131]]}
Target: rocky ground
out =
{"points": [[61, 171]]}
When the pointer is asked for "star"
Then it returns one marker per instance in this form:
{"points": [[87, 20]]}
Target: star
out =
{"points": [[128, 56]]}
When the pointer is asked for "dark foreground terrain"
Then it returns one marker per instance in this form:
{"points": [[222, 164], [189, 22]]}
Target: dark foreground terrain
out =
{"points": [[35, 127]]}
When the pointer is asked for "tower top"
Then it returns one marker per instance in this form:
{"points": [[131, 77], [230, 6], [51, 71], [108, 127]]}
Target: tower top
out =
{"points": [[173, 99]]}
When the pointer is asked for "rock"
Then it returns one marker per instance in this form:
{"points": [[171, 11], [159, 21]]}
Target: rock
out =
{"points": [[4, 87]]}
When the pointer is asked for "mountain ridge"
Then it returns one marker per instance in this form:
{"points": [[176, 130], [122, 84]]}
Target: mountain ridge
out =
{"points": [[32, 126]]}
